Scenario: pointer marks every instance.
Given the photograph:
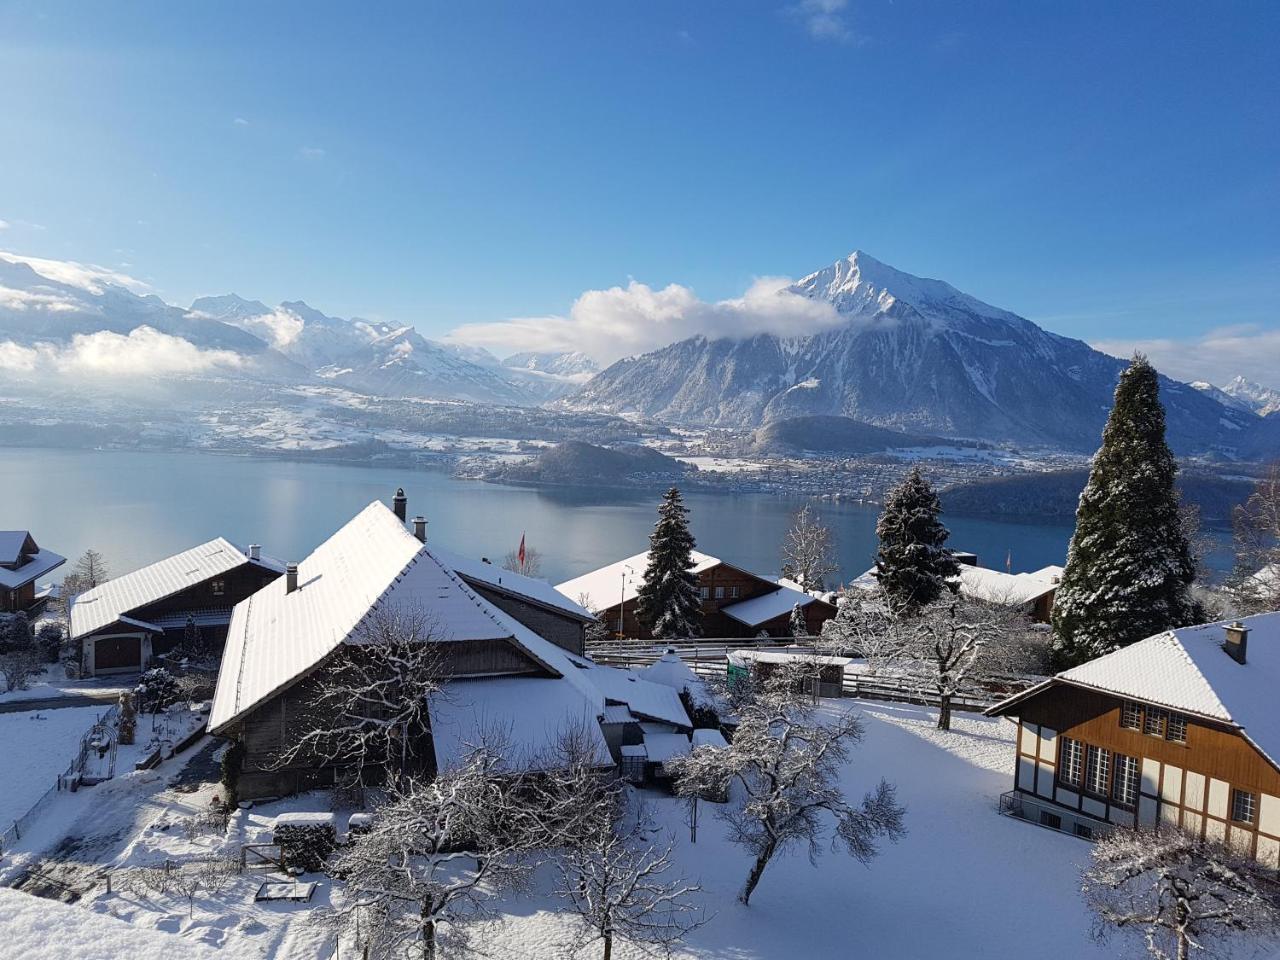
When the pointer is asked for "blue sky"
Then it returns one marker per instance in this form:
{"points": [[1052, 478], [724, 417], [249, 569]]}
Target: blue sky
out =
{"points": [[1109, 169]]}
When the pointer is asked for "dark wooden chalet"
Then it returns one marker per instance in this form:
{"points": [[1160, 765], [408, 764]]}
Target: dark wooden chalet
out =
{"points": [[22, 563]]}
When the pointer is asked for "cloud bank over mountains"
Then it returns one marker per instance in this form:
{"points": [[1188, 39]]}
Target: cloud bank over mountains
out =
{"points": [[143, 352], [624, 321], [1216, 356]]}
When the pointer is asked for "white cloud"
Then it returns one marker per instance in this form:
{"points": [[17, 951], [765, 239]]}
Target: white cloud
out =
{"points": [[41, 298], [621, 321], [4, 224], [1250, 351], [86, 276], [144, 351], [311, 153], [279, 328], [825, 19], [240, 122]]}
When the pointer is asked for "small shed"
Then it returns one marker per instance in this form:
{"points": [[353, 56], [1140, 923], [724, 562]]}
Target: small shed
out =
{"points": [[828, 672]]}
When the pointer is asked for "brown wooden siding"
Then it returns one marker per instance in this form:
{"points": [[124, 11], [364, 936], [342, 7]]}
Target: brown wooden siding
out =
{"points": [[566, 632]]}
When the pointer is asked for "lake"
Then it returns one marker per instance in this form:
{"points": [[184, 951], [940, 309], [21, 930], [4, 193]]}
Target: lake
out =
{"points": [[135, 508]]}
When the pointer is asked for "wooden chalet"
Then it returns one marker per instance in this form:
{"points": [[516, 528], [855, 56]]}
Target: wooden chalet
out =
{"points": [[735, 602], [123, 624], [502, 674], [1032, 593], [22, 563], [1180, 729]]}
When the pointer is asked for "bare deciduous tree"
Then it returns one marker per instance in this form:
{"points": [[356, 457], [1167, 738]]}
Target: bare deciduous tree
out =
{"points": [[863, 627], [1180, 894], [371, 702], [808, 551], [1255, 582], [786, 762], [90, 571], [434, 858], [531, 566], [622, 885]]}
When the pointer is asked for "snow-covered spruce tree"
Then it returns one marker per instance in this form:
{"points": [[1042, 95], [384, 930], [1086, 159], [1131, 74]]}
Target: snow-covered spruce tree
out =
{"points": [[913, 565], [1178, 893], [1129, 568], [621, 885], [808, 551], [435, 856], [667, 602], [786, 763]]}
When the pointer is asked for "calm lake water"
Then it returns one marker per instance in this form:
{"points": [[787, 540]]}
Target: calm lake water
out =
{"points": [[139, 507]]}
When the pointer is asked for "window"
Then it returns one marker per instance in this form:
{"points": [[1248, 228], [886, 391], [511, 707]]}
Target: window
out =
{"points": [[1177, 728], [733, 592], [704, 593], [218, 587], [1244, 806], [1131, 716], [1124, 789], [719, 593], [1155, 722], [1084, 831], [1048, 819], [1070, 764], [1097, 772]]}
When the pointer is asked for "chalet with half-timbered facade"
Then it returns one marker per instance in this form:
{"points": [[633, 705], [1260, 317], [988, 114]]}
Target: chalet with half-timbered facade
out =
{"points": [[1180, 729], [123, 624], [735, 602], [22, 563]]}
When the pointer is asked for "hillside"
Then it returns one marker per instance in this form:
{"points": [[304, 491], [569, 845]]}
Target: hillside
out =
{"points": [[911, 354], [831, 435], [574, 463]]}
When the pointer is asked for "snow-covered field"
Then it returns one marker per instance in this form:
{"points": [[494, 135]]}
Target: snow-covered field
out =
{"points": [[36, 746], [964, 882]]}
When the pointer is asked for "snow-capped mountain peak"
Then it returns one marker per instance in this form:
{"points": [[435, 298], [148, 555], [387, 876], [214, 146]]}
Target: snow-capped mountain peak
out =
{"points": [[1261, 399]]}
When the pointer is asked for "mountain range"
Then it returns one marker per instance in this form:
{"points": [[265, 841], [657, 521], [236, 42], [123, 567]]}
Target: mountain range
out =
{"points": [[910, 354], [904, 354]]}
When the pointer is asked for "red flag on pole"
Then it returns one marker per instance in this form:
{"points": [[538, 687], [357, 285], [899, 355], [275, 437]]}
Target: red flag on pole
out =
{"points": [[520, 552]]}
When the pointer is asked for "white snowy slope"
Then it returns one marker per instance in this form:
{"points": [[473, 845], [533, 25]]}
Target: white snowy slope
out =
{"points": [[912, 353], [1263, 401]]}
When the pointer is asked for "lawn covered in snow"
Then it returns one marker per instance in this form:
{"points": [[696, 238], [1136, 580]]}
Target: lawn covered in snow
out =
{"points": [[964, 882], [36, 746]]}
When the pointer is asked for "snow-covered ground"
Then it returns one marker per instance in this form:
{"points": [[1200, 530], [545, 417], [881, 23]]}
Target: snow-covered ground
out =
{"points": [[54, 683], [36, 746], [964, 881]]}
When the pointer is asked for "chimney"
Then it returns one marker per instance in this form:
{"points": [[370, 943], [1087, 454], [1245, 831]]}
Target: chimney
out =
{"points": [[255, 551], [399, 504], [1237, 645], [420, 528], [290, 577]]}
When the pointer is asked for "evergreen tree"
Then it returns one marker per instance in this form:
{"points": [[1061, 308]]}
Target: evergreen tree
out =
{"points": [[668, 602], [18, 634], [799, 626], [913, 564], [1129, 568]]}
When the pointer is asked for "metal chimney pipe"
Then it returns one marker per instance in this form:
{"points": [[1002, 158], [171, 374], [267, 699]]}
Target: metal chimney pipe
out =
{"points": [[290, 577], [420, 528], [399, 504]]}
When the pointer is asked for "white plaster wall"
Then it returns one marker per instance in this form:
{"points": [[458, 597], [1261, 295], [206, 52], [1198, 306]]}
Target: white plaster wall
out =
{"points": [[1269, 815], [1045, 783], [1195, 791], [1218, 793], [1215, 830], [1269, 852], [1026, 774], [1150, 776], [1171, 790], [1147, 811], [1067, 798], [1095, 807], [1048, 745]]}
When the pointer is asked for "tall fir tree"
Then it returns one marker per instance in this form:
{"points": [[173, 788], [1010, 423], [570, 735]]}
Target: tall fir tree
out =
{"points": [[1129, 568], [668, 602], [913, 564]]}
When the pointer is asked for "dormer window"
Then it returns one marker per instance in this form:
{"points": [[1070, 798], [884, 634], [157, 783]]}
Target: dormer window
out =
{"points": [[1131, 715], [1154, 723]]}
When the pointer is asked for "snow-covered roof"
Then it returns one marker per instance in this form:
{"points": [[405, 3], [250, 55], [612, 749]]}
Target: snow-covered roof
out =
{"points": [[785, 656], [1187, 670], [530, 588], [40, 563], [276, 637], [647, 700], [106, 603], [13, 543], [525, 715], [827, 595], [992, 586], [617, 713], [767, 606], [671, 671], [661, 747], [703, 737], [620, 582]]}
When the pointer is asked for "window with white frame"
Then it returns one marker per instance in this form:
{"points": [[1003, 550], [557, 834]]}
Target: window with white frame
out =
{"points": [[1071, 762], [1155, 722], [719, 593], [733, 592], [704, 593], [1244, 806], [1177, 731], [1131, 716], [1124, 788], [1097, 774]]}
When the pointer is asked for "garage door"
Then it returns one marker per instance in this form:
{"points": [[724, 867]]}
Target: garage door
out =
{"points": [[114, 654]]}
